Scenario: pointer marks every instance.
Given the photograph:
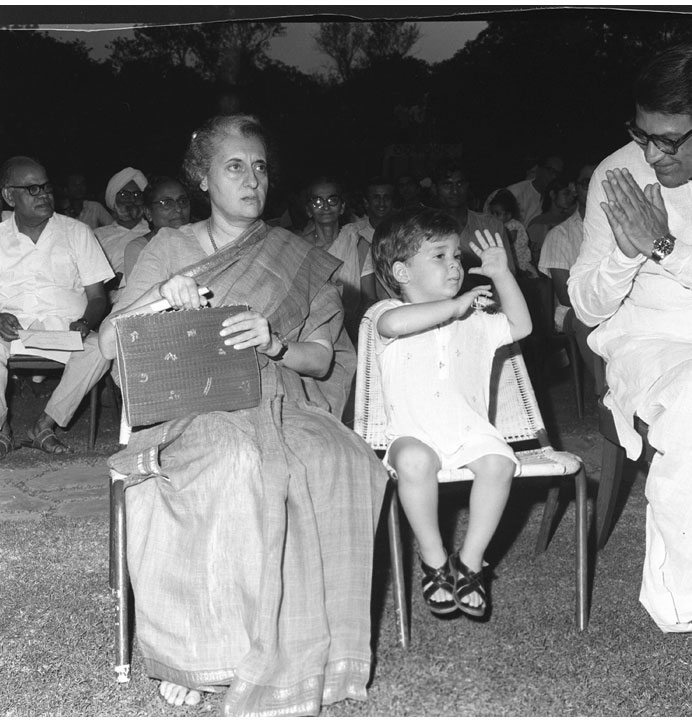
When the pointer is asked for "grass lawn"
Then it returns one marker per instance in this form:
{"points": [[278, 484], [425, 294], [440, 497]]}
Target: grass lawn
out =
{"points": [[56, 624]]}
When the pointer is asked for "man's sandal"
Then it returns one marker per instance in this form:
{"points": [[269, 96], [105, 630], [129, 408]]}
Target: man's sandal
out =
{"points": [[7, 444], [46, 441], [434, 580], [468, 582]]}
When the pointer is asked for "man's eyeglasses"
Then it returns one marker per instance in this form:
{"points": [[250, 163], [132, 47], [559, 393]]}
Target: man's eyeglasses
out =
{"points": [[318, 202], [168, 204], [36, 188], [665, 145], [128, 196]]}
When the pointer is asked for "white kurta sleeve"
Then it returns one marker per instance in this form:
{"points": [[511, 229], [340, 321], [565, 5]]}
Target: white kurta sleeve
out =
{"points": [[603, 275]]}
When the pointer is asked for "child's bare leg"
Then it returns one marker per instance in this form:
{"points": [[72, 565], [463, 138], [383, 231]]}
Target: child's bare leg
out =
{"points": [[416, 466], [492, 481]]}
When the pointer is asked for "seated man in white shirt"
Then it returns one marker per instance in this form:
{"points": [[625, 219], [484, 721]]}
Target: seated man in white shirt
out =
{"points": [[558, 254], [124, 198], [52, 273], [379, 203], [633, 281], [529, 192], [87, 211]]}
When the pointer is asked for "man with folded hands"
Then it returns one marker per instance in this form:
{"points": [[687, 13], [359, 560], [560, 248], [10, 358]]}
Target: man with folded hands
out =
{"points": [[52, 274]]}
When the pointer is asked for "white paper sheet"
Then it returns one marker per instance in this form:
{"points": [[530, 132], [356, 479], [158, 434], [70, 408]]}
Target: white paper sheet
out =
{"points": [[53, 340]]}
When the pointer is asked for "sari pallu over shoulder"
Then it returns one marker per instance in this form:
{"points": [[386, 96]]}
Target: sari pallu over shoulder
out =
{"points": [[280, 275]]}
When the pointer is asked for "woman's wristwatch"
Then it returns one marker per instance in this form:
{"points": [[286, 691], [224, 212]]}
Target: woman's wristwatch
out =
{"points": [[284, 347]]}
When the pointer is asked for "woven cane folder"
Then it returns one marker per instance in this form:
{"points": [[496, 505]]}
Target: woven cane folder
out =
{"points": [[174, 363]]}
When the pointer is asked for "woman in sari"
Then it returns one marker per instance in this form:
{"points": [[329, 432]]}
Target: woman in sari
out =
{"points": [[166, 205], [250, 534]]}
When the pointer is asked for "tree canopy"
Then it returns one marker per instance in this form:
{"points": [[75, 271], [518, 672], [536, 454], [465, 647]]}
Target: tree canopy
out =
{"points": [[357, 45], [546, 79]]}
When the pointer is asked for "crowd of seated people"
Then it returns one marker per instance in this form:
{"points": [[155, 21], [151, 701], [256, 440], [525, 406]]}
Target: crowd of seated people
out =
{"points": [[144, 243], [338, 219]]}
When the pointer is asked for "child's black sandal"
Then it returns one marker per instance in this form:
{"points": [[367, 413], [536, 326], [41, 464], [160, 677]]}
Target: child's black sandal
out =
{"points": [[434, 580], [466, 583]]}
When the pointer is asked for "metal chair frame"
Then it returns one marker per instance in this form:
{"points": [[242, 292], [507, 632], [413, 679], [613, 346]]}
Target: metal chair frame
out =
{"points": [[119, 577], [39, 364], [514, 411]]}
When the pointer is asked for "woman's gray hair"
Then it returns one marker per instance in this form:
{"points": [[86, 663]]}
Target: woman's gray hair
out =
{"points": [[206, 140]]}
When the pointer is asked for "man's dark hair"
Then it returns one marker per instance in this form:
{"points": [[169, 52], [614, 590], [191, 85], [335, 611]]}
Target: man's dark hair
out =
{"points": [[377, 180], [506, 200], [664, 84], [445, 169]]}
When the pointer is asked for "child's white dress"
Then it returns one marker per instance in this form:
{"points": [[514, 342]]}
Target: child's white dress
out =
{"points": [[436, 385]]}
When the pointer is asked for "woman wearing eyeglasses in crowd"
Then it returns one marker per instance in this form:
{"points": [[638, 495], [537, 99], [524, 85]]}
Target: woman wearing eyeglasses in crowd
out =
{"points": [[356, 277], [166, 204]]}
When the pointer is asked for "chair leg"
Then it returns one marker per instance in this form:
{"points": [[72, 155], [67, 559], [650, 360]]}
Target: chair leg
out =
{"points": [[577, 369], [397, 563], [93, 413], [580, 540], [608, 487], [115, 396], [120, 580], [549, 514]]}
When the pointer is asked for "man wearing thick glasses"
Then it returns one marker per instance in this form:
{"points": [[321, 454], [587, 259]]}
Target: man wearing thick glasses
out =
{"points": [[633, 279], [52, 273]]}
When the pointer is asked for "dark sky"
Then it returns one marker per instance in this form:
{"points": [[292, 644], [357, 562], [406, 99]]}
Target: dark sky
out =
{"points": [[439, 40], [445, 29]]}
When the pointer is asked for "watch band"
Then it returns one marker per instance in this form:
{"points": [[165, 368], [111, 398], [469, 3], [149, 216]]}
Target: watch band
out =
{"points": [[284, 347], [662, 247]]}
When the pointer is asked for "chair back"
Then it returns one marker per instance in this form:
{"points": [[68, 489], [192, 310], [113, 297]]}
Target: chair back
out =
{"points": [[513, 407]]}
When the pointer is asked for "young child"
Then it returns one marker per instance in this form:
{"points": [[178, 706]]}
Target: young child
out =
{"points": [[505, 208], [435, 353]]}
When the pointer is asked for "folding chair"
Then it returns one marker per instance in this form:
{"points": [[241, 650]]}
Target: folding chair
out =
{"points": [[515, 413], [40, 365]]}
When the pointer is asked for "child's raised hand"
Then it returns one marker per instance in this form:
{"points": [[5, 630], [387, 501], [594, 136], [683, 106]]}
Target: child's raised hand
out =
{"points": [[492, 254], [466, 300]]}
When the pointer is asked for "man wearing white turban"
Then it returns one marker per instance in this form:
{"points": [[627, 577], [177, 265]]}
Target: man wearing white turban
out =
{"points": [[124, 199]]}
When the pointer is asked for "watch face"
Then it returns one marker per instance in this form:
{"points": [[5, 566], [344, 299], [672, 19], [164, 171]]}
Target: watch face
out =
{"points": [[662, 247]]}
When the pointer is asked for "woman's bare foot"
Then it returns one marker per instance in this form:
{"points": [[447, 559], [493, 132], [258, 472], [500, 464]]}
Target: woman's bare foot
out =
{"points": [[176, 694]]}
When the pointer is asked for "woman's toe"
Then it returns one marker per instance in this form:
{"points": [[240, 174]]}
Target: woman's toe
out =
{"points": [[176, 694], [193, 697]]}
